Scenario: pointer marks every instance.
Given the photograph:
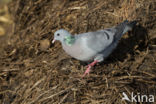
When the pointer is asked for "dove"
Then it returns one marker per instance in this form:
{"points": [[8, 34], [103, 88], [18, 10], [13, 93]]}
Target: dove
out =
{"points": [[92, 46]]}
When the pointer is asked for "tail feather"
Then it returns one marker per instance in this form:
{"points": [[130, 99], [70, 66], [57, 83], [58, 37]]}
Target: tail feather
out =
{"points": [[132, 23], [129, 26], [123, 28]]}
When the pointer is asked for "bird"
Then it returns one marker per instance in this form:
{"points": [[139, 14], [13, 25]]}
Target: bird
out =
{"points": [[95, 46]]}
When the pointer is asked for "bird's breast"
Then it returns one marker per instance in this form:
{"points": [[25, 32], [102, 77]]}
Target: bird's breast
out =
{"points": [[79, 51]]}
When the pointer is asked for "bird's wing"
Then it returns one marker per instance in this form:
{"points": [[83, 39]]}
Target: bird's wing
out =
{"points": [[102, 39], [99, 40]]}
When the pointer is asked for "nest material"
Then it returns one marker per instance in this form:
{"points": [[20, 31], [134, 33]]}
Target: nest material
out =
{"points": [[34, 71]]}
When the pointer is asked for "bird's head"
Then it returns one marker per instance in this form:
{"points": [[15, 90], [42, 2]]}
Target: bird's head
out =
{"points": [[60, 35], [63, 36]]}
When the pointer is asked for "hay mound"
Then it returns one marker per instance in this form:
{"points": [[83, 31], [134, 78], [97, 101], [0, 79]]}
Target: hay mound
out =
{"points": [[33, 71]]}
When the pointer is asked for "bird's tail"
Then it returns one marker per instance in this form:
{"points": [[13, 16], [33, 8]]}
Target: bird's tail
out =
{"points": [[129, 26], [124, 27]]}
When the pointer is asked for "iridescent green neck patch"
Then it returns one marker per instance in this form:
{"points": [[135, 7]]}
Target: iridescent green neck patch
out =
{"points": [[69, 40]]}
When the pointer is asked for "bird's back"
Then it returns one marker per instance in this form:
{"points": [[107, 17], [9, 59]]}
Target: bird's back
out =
{"points": [[88, 45]]}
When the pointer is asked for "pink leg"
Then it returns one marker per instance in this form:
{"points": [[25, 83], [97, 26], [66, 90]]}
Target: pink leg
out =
{"points": [[89, 68]]}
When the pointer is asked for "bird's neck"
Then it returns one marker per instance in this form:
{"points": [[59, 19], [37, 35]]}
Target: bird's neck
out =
{"points": [[69, 40]]}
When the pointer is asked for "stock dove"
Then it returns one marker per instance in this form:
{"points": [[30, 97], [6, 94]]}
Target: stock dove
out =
{"points": [[92, 46]]}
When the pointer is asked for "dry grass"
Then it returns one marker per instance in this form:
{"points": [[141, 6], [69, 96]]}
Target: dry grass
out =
{"points": [[32, 71]]}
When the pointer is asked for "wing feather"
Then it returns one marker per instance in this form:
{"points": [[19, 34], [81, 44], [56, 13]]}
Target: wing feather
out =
{"points": [[99, 40]]}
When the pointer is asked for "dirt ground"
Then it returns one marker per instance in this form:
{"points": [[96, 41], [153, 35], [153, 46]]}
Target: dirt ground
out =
{"points": [[34, 71]]}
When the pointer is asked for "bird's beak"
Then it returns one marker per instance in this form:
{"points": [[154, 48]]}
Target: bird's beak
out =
{"points": [[53, 41]]}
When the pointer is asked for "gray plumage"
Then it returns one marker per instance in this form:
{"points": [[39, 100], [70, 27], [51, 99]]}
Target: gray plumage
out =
{"points": [[92, 45]]}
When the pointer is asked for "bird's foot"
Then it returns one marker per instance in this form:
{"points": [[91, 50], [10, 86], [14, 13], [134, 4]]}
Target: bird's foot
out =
{"points": [[89, 68], [87, 71]]}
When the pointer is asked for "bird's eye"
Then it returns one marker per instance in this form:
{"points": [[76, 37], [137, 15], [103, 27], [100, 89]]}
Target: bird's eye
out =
{"points": [[58, 34]]}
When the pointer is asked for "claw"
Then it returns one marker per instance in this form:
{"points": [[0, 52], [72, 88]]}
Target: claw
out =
{"points": [[89, 68], [87, 71]]}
